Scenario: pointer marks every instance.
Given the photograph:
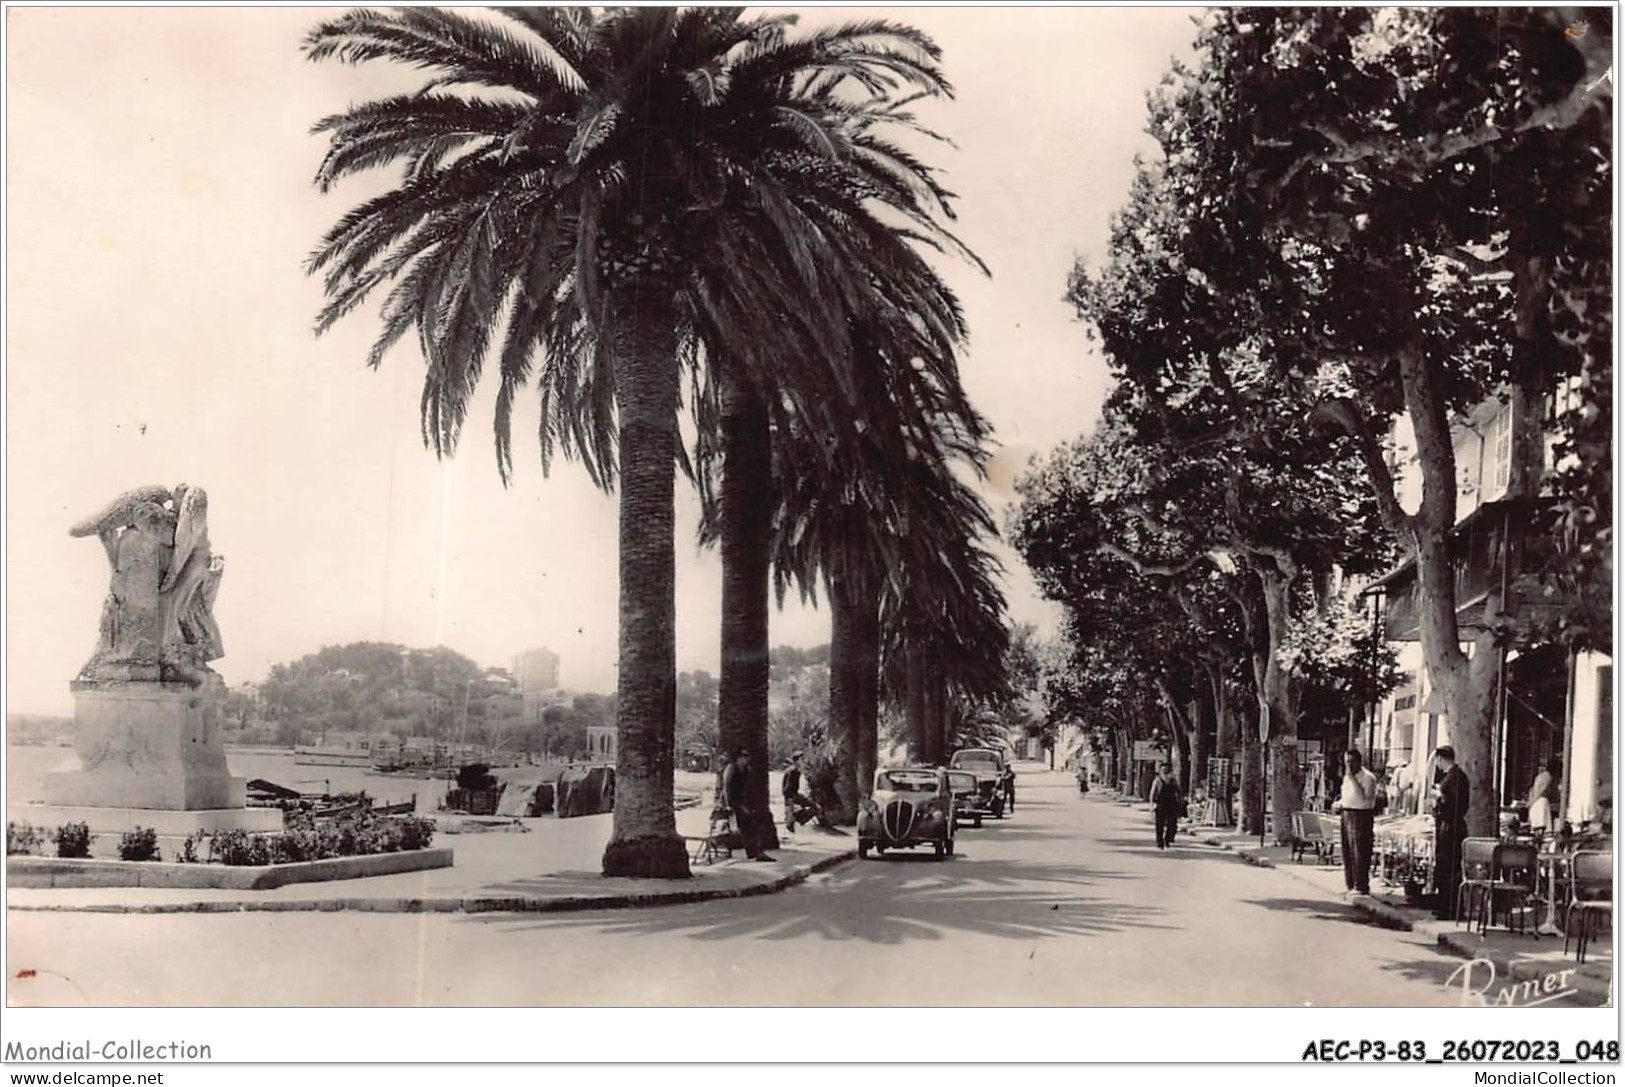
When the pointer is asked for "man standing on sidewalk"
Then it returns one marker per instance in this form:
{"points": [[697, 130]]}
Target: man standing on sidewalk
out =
{"points": [[747, 820], [1449, 830], [1358, 804]]}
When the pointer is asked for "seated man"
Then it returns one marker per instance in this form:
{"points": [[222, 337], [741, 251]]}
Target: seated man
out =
{"points": [[797, 807]]}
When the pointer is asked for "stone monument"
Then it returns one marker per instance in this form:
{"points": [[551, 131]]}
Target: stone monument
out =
{"points": [[147, 706]]}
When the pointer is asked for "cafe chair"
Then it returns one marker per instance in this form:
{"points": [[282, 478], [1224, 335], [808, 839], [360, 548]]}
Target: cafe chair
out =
{"points": [[718, 840], [1477, 876], [1516, 879], [1308, 833], [1592, 894]]}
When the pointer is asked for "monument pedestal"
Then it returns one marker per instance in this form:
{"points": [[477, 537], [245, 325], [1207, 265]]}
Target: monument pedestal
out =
{"points": [[149, 753]]}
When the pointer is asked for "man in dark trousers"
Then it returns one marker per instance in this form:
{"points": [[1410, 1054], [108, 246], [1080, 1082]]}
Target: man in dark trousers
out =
{"points": [[747, 820], [1165, 804], [1007, 782], [797, 807], [1449, 830], [1358, 806]]}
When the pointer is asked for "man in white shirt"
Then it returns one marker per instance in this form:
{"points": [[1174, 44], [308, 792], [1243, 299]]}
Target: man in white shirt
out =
{"points": [[1358, 803]]}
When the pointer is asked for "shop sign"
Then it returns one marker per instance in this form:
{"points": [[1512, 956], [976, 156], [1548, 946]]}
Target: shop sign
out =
{"points": [[1149, 751]]}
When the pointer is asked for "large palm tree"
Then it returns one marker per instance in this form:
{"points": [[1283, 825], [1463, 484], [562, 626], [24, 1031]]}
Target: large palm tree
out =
{"points": [[896, 294], [945, 617], [604, 185], [844, 518]]}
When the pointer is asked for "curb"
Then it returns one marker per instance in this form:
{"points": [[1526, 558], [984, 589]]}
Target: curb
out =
{"points": [[63, 873], [1458, 942], [500, 904]]}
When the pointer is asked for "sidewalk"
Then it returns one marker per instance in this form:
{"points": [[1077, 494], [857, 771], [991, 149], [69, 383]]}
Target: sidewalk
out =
{"points": [[552, 867], [1517, 956]]}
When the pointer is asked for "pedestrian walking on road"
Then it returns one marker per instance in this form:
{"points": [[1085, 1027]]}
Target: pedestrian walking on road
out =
{"points": [[747, 820], [1358, 806], [1165, 804], [1449, 829], [1007, 782]]}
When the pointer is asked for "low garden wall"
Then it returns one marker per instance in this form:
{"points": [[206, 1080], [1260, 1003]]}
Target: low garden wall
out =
{"points": [[27, 871]]}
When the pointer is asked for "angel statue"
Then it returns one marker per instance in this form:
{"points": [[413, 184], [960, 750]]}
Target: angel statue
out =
{"points": [[158, 618]]}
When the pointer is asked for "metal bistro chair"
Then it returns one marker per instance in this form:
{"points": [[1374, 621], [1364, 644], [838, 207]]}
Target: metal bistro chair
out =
{"points": [[1307, 834], [718, 840], [1331, 832], [1516, 877], [1592, 891], [1477, 875]]}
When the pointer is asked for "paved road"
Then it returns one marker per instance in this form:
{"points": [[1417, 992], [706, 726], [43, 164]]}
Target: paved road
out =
{"points": [[1066, 903]]}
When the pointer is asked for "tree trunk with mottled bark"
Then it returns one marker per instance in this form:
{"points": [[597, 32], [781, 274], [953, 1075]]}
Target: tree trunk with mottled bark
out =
{"points": [[1286, 775], [1201, 745], [1251, 792]]}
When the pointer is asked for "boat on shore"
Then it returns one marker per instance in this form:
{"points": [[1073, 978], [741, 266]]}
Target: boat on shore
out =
{"points": [[359, 757], [323, 805]]}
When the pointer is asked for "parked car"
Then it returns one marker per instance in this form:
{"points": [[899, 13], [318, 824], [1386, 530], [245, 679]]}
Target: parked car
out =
{"points": [[910, 806], [962, 783], [988, 765]]}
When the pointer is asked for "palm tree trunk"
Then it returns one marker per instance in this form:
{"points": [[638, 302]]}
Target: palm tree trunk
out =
{"points": [[747, 525], [942, 727], [866, 664], [844, 696], [644, 842], [914, 662]]}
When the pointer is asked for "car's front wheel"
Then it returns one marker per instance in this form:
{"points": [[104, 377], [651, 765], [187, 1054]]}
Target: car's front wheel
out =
{"points": [[978, 822]]}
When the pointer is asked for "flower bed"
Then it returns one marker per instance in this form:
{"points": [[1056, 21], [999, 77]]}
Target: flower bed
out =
{"points": [[303, 838]]}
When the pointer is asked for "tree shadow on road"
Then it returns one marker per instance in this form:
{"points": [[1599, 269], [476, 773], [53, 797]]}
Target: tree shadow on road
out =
{"points": [[1003, 832], [1317, 908], [1180, 850], [887, 903]]}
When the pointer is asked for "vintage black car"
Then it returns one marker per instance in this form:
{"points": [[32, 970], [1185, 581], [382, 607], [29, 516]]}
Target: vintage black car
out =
{"points": [[962, 783], [988, 765], [910, 806]]}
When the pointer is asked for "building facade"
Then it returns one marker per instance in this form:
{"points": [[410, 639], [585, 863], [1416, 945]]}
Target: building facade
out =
{"points": [[1552, 704], [536, 679], [602, 743]]}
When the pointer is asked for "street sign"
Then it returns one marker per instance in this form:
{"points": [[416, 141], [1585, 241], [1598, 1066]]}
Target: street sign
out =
{"points": [[1149, 751]]}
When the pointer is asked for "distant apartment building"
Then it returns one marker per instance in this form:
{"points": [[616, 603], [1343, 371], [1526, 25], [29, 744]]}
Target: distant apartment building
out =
{"points": [[536, 677], [536, 670]]}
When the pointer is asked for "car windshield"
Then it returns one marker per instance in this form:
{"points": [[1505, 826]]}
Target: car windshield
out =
{"points": [[976, 758], [962, 783], [908, 781]]}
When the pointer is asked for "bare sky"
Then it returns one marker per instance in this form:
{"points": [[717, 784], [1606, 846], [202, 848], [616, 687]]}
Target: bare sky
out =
{"points": [[160, 206]]}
